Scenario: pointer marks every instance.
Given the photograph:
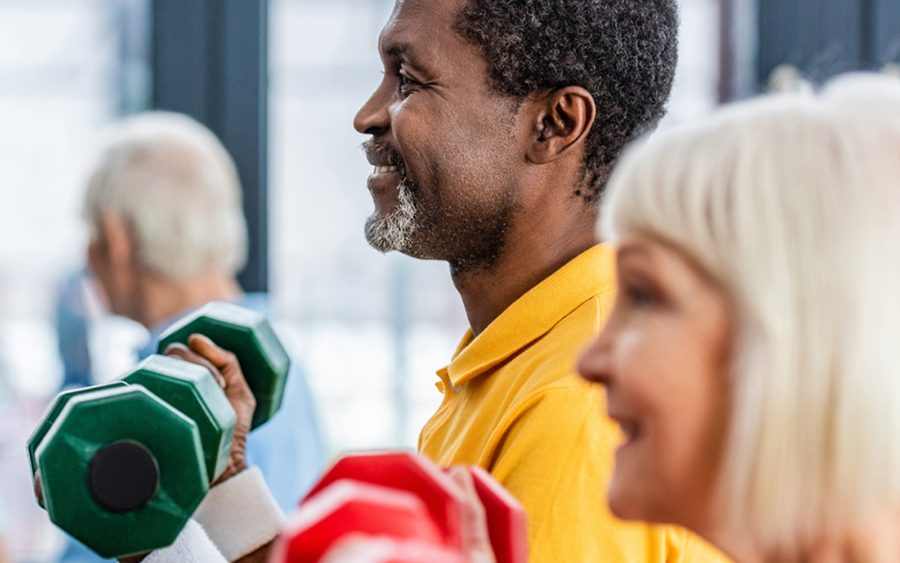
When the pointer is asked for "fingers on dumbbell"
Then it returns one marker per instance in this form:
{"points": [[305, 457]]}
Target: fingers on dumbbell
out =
{"points": [[38, 488], [223, 359], [227, 364], [183, 352], [220, 357]]}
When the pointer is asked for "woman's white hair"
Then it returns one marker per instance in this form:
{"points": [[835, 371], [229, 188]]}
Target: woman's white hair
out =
{"points": [[792, 203], [176, 188]]}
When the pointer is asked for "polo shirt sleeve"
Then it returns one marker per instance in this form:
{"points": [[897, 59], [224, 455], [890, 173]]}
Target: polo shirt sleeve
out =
{"points": [[556, 457]]}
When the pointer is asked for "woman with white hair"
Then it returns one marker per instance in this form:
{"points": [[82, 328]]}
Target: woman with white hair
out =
{"points": [[752, 358]]}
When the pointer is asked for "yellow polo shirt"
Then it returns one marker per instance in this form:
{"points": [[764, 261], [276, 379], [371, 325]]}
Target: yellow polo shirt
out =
{"points": [[514, 405]]}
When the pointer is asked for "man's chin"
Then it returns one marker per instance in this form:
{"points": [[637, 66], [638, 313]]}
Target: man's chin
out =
{"points": [[386, 234], [379, 244]]}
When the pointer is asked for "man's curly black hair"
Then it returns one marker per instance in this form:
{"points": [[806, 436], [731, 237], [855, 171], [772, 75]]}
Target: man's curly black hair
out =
{"points": [[623, 52]]}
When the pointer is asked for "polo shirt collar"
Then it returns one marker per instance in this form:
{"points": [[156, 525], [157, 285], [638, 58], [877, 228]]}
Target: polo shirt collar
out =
{"points": [[532, 315]]}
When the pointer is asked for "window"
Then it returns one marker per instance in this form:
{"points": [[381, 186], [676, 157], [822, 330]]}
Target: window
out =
{"points": [[66, 69]]}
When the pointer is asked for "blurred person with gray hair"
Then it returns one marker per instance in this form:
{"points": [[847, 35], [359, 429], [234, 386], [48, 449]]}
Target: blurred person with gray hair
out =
{"points": [[168, 235], [164, 205]]}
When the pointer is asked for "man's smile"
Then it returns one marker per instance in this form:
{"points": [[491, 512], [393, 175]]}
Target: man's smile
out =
{"points": [[383, 184]]}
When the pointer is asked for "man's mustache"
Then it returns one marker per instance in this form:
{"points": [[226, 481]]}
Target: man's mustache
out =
{"points": [[383, 151]]}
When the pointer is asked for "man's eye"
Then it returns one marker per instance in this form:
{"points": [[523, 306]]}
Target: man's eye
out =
{"points": [[406, 83]]}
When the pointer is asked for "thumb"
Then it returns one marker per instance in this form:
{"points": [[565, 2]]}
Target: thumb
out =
{"points": [[202, 345]]}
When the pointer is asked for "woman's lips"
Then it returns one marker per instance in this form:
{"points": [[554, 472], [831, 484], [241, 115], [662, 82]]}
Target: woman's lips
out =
{"points": [[631, 430]]}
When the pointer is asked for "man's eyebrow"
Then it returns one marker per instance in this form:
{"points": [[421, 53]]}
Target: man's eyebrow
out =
{"points": [[395, 49], [406, 54]]}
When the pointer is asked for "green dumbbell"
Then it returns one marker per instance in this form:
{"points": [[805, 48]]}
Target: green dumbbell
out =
{"points": [[121, 470], [188, 387], [122, 487], [193, 391], [248, 336]]}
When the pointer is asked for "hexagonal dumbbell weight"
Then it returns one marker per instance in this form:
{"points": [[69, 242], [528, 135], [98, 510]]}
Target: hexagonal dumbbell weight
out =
{"points": [[120, 469], [403, 497], [52, 414], [193, 391], [351, 507], [403, 471], [188, 387], [248, 336]]}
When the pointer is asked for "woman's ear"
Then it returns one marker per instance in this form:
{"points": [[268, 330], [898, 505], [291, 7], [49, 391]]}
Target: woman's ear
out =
{"points": [[561, 120]]}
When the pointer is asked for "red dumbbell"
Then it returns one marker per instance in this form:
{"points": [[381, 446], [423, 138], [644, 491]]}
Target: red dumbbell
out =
{"points": [[404, 471], [351, 508], [409, 503]]}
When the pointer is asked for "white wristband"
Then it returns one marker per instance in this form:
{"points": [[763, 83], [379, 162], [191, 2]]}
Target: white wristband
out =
{"points": [[240, 515], [191, 546]]}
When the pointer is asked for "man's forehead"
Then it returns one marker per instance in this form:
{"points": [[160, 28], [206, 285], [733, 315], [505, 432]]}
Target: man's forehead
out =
{"points": [[413, 20], [438, 10]]}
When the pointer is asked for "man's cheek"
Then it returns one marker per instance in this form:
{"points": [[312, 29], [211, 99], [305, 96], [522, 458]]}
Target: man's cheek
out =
{"points": [[415, 164]]}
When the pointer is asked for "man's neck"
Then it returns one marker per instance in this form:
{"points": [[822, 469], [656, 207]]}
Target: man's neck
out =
{"points": [[531, 254], [162, 299]]}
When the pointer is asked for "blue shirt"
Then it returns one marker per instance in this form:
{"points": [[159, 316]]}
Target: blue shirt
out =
{"points": [[288, 449], [71, 324]]}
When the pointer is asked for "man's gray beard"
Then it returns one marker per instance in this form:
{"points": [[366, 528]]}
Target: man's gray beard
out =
{"points": [[395, 230]]}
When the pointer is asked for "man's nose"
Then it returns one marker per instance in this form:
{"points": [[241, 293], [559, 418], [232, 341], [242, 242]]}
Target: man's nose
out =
{"points": [[373, 118]]}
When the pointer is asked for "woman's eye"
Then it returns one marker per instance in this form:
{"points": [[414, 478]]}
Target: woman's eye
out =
{"points": [[639, 295]]}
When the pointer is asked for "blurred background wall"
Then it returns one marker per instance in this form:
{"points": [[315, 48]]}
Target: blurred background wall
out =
{"points": [[279, 82]]}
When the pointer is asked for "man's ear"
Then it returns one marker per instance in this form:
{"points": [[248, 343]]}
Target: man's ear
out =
{"points": [[560, 121], [117, 240]]}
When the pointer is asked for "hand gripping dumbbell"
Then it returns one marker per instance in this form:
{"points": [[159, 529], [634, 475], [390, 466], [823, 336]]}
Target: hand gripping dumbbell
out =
{"points": [[249, 336], [123, 466], [404, 497]]}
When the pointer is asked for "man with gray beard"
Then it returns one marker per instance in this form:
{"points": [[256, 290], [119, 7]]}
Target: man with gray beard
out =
{"points": [[493, 132]]}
